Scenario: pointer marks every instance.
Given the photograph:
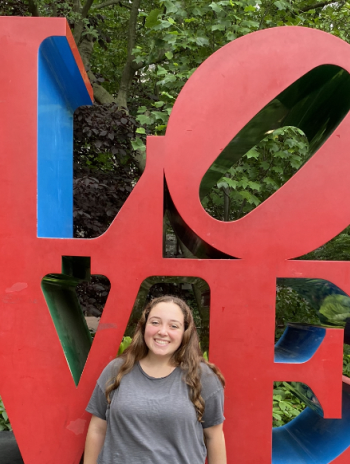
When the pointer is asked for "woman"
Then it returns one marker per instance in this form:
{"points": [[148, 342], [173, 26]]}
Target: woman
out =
{"points": [[160, 401]]}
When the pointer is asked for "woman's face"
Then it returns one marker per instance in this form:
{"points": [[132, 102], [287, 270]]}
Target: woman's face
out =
{"points": [[164, 329]]}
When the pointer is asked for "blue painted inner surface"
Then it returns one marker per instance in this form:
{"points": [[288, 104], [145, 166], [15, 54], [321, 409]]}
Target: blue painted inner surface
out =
{"points": [[61, 90], [298, 343], [310, 439]]}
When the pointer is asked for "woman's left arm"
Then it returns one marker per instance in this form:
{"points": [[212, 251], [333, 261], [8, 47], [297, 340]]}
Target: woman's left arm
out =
{"points": [[215, 443]]}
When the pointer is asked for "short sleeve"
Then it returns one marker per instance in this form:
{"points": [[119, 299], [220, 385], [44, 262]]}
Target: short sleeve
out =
{"points": [[214, 409], [213, 395], [98, 403]]}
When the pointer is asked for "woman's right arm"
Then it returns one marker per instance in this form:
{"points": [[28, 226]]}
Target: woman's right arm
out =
{"points": [[94, 439]]}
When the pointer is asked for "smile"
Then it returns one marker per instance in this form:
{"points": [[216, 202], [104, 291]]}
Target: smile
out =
{"points": [[161, 342]]}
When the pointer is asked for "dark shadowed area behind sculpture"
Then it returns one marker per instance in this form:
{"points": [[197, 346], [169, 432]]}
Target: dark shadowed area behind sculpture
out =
{"points": [[10, 453]]}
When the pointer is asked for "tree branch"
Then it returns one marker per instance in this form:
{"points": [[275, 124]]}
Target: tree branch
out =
{"points": [[316, 5], [86, 8], [33, 8], [109, 3]]}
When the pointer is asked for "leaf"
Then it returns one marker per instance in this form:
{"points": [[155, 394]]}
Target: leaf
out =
{"points": [[144, 119], [138, 144], [162, 25], [140, 130], [169, 55], [218, 27], [166, 94], [161, 71], [201, 41], [171, 7], [167, 79], [270, 181], [197, 12], [152, 19], [252, 154], [232, 183], [243, 182], [159, 115], [158, 104], [245, 194], [215, 7], [254, 185], [279, 5], [254, 200]]}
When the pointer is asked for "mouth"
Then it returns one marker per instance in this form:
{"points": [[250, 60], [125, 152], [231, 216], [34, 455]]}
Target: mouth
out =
{"points": [[161, 342]]}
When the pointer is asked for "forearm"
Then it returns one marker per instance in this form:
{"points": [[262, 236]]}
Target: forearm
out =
{"points": [[94, 440], [216, 448]]}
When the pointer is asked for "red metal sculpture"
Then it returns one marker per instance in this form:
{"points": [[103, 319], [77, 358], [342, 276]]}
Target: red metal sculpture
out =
{"points": [[229, 90]]}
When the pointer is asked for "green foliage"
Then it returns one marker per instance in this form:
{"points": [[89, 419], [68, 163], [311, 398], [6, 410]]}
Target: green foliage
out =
{"points": [[124, 345], [346, 365], [179, 36], [335, 309], [285, 406], [291, 307], [258, 174], [337, 249], [4, 420]]}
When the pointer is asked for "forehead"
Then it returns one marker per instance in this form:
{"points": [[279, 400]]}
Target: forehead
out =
{"points": [[167, 310]]}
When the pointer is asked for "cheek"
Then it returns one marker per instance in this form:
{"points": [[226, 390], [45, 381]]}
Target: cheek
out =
{"points": [[179, 337], [150, 331]]}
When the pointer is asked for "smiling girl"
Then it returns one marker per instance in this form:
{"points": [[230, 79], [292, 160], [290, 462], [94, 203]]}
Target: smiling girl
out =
{"points": [[160, 401]]}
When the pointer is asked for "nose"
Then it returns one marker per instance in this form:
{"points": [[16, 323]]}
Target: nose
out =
{"points": [[162, 331]]}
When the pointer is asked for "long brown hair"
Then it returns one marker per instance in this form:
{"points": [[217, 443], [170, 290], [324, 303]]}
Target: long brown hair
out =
{"points": [[188, 356]]}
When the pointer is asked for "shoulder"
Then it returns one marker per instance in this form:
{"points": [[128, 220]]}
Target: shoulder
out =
{"points": [[210, 381], [109, 372]]}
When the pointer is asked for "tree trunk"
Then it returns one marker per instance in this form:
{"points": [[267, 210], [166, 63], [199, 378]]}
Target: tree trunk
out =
{"points": [[129, 68], [226, 204]]}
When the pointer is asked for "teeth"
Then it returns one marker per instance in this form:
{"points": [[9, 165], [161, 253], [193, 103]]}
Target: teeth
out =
{"points": [[161, 342]]}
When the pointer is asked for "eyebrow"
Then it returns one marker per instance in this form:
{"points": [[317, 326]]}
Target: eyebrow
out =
{"points": [[172, 320]]}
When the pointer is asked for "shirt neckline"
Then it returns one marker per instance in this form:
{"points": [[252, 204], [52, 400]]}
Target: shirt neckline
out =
{"points": [[155, 378]]}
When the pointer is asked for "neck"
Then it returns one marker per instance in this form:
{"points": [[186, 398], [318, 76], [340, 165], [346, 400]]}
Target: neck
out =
{"points": [[157, 361], [157, 367]]}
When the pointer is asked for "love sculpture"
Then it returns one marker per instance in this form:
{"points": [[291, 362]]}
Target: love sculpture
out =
{"points": [[269, 79]]}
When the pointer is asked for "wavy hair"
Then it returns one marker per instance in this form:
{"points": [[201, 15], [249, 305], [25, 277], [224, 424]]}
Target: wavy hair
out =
{"points": [[188, 356]]}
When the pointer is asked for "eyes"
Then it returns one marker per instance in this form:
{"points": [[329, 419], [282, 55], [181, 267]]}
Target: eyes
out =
{"points": [[172, 325]]}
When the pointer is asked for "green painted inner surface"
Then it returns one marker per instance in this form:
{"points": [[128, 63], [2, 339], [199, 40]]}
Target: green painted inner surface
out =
{"points": [[316, 103], [61, 298]]}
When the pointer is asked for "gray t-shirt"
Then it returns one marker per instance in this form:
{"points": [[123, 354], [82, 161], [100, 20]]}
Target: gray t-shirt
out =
{"points": [[153, 421]]}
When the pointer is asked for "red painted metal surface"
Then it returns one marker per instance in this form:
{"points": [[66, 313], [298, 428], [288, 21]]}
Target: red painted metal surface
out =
{"points": [[45, 407]]}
